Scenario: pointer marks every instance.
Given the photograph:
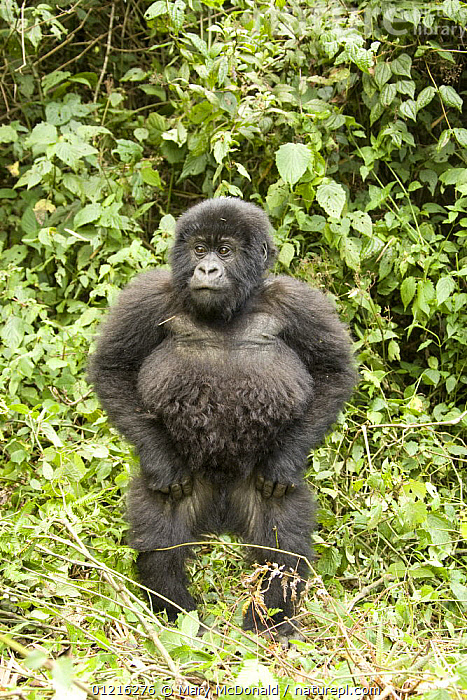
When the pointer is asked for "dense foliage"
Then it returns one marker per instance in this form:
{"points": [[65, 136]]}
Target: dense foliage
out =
{"points": [[347, 123]]}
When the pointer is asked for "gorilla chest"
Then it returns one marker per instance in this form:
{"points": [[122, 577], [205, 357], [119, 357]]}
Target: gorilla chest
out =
{"points": [[223, 393]]}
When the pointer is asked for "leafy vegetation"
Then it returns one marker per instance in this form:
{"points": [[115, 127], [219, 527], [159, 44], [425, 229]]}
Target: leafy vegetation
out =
{"points": [[347, 123]]}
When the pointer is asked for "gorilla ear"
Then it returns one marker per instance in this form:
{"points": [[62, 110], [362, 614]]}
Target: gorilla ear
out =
{"points": [[269, 253]]}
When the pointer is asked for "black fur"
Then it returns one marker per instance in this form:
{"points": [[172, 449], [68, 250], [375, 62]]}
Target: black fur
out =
{"points": [[223, 380]]}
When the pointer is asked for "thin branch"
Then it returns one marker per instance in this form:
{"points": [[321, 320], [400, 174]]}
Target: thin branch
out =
{"points": [[107, 53]]}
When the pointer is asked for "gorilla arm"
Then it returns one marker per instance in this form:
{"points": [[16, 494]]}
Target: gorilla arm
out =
{"points": [[313, 330], [134, 328]]}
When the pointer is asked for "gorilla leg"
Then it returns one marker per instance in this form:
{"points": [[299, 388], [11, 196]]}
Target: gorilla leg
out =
{"points": [[282, 522], [160, 522]]}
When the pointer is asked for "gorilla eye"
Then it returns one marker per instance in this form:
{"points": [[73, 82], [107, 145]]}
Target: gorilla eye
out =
{"points": [[200, 249], [223, 250]]}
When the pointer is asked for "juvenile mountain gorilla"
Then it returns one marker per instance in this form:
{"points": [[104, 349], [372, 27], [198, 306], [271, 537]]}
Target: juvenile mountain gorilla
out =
{"points": [[223, 380]]}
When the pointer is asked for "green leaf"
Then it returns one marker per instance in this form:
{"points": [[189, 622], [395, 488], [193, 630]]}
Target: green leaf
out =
{"points": [[156, 9], [52, 79], [450, 97], [388, 94], [90, 212], [135, 74], [7, 134], [13, 332], [292, 160], [461, 137], [408, 109], [350, 251], [331, 196], [151, 177], [444, 287], [425, 96], [425, 294], [286, 254], [382, 74], [408, 288], [402, 65], [361, 221]]}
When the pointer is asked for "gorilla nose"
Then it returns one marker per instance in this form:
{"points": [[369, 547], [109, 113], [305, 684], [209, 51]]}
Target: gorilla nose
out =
{"points": [[210, 269]]}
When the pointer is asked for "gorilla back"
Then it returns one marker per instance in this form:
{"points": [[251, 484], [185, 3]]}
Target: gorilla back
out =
{"points": [[223, 380]]}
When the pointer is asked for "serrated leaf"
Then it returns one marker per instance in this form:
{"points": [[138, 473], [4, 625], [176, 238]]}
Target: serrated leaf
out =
{"points": [[177, 13], [199, 44], [331, 196], [292, 160], [425, 294], [407, 290], [156, 9], [450, 97], [7, 134], [444, 287], [388, 94], [286, 254], [91, 212], [425, 96], [361, 221], [382, 74], [461, 137], [52, 79], [350, 251], [151, 177], [13, 332], [402, 65]]}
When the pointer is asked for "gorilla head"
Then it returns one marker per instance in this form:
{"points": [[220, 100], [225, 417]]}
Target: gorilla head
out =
{"points": [[221, 252]]}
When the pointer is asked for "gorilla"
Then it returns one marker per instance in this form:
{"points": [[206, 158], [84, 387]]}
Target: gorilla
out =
{"points": [[223, 379]]}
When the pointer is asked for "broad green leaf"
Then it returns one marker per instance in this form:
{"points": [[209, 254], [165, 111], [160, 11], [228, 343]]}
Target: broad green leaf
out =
{"points": [[156, 9], [13, 332], [402, 65], [151, 177], [136, 73], [425, 96], [91, 212], [8, 134], [409, 109], [388, 94], [286, 254], [444, 287], [361, 221], [408, 288], [350, 251], [461, 136], [425, 294], [406, 87], [52, 79], [450, 97], [382, 74], [292, 160], [331, 196]]}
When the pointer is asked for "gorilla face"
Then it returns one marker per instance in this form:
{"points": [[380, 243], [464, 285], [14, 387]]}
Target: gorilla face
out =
{"points": [[221, 251]]}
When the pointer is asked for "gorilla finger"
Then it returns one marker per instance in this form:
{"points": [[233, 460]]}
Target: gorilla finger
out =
{"points": [[187, 487], [259, 482], [268, 488], [165, 490], [279, 490], [176, 491]]}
